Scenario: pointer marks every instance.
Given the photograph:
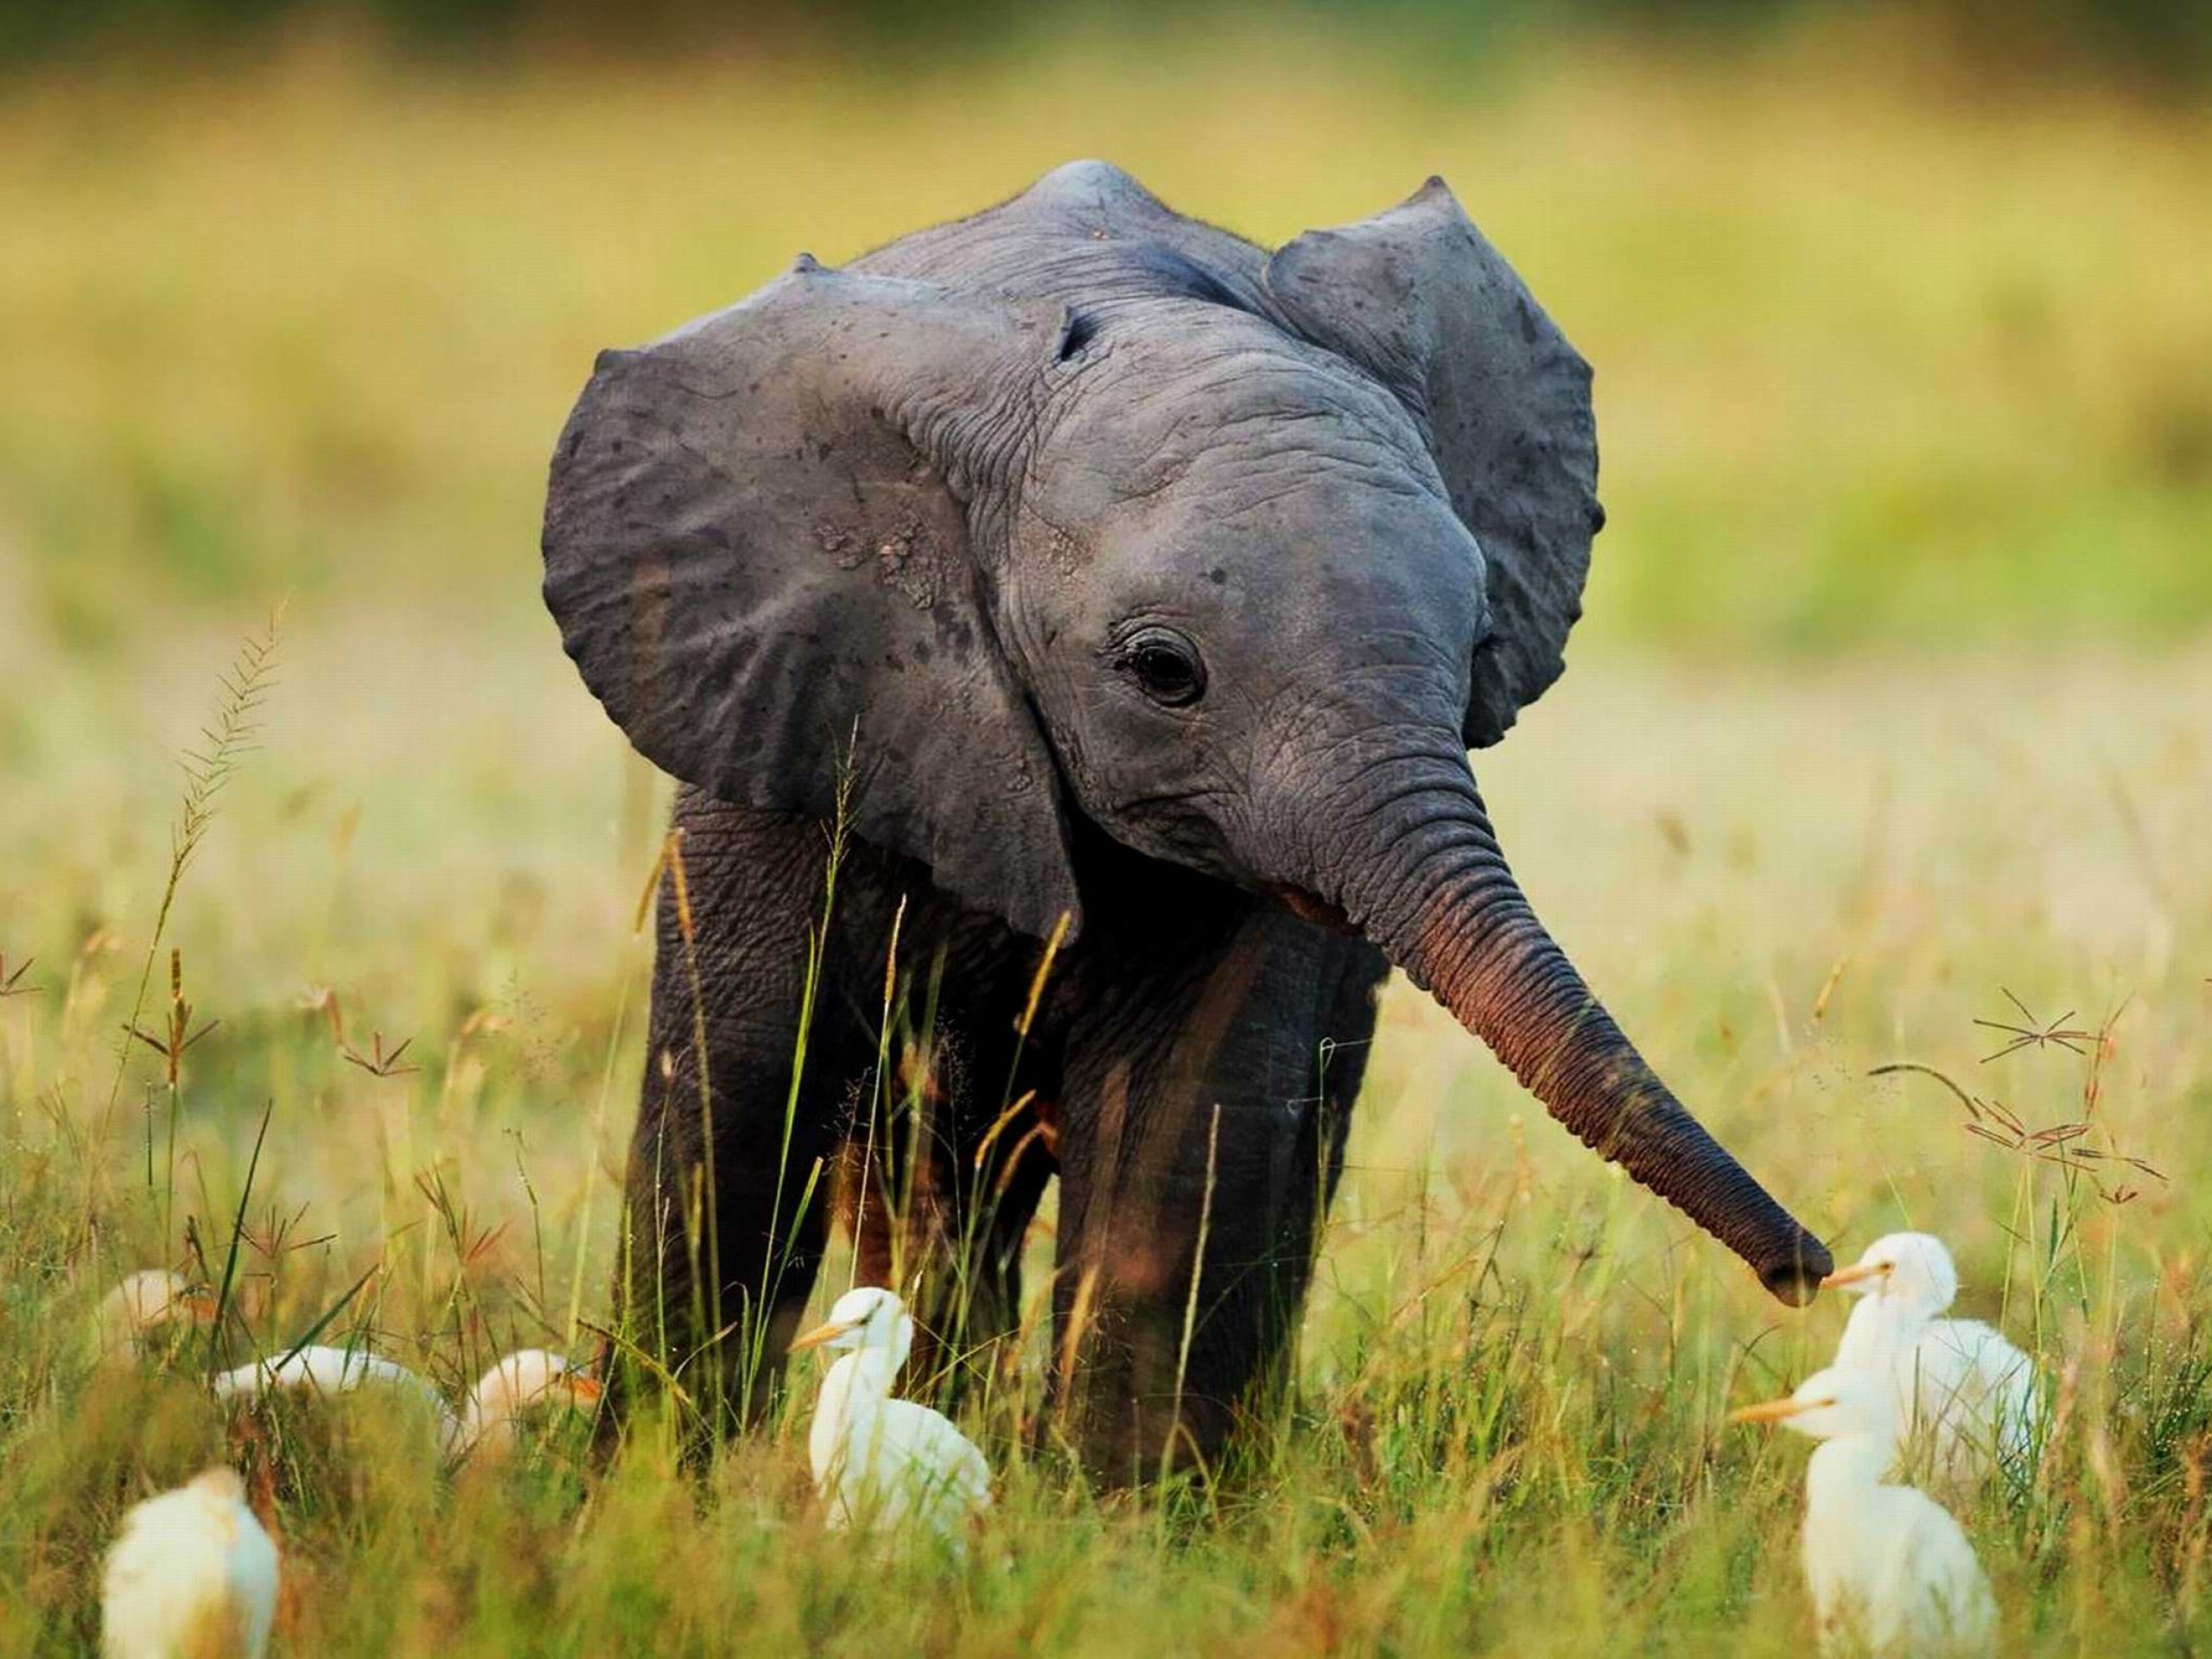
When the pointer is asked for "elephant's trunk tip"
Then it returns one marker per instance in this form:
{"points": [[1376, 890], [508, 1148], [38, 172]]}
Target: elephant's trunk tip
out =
{"points": [[1795, 1277]]}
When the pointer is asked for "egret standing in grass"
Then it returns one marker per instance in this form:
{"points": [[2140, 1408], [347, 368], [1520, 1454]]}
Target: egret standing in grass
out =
{"points": [[524, 1381], [1890, 1571], [880, 1461], [321, 1371], [193, 1575], [515, 1386], [146, 1306], [1957, 1382]]}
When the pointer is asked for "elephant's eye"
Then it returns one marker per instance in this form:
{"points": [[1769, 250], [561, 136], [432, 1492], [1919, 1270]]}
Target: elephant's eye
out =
{"points": [[1166, 665]]}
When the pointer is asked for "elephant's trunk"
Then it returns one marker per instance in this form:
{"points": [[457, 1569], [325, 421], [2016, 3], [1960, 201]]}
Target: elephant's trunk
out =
{"points": [[1433, 891]]}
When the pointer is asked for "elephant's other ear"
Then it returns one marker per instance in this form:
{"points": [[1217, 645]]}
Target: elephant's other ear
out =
{"points": [[757, 550], [1416, 298]]}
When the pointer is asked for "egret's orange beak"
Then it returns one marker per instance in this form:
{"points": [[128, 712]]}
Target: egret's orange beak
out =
{"points": [[200, 1305], [1773, 1411], [1858, 1275], [587, 1388], [820, 1334]]}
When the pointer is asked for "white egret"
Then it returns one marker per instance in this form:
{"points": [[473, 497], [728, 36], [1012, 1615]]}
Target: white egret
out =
{"points": [[146, 1306], [1890, 1571], [516, 1385], [880, 1461], [1958, 1382], [321, 1370], [192, 1575]]}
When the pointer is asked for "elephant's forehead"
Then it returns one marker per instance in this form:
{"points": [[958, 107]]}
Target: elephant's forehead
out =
{"points": [[1232, 422], [1334, 552], [1171, 383], [1270, 543]]}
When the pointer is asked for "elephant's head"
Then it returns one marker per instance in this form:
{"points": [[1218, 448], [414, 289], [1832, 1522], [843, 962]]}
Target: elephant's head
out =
{"points": [[1232, 555]]}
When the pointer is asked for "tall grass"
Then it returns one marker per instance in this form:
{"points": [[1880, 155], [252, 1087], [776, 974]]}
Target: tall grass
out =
{"points": [[1505, 1430], [224, 742]]}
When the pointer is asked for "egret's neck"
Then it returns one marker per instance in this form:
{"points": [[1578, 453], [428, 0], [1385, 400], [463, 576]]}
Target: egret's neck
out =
{"points": [[1860, 1331], [1891, 1312], [1847, 1466], [1918, 1300], [1878, 1325], [476, 1424], [857, 1384]]}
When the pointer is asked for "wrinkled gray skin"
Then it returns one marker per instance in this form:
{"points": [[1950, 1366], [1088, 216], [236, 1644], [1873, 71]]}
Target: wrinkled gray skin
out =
{"points": [[968, 520]]}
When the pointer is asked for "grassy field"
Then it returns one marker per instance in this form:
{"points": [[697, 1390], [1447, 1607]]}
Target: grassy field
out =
{"points": [[1895, 695]]}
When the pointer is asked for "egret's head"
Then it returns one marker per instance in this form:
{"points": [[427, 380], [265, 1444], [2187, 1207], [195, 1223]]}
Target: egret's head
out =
{"points": [[146, 1304], [533, 1377], [1912, 1269], [524, 1382], [1830, 1405], [867, 1319]]}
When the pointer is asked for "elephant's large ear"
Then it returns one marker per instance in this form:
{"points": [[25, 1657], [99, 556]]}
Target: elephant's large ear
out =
{"points": [[1420, 300], [758, 549]]}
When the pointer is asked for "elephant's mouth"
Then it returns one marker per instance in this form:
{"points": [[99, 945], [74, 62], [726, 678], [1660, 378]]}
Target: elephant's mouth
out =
{"points": [[1309, 907]]}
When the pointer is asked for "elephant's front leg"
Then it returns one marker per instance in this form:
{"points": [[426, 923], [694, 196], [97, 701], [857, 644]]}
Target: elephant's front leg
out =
{"points": [[940, 1189], [1202, 1136], [727, 1212]]}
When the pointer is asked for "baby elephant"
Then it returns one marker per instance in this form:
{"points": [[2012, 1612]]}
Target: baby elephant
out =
{"points": [[1079, 572]]}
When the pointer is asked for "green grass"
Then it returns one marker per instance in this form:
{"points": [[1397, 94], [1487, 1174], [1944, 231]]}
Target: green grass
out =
{"points": [[1907, 456], [1506, 1431]]}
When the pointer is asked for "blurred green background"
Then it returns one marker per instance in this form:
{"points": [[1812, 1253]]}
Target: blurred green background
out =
{"points": [[1900, 318], [1901, 322], [2149, 39]]}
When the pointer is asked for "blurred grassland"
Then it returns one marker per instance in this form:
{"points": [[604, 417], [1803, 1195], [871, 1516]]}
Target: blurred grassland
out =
{"points": [[1878, 358], [1894, 691]]}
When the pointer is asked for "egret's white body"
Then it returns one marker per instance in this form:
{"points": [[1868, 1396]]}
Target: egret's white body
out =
{"points": [[338, 1370], [881, 1462], [146, 1305], [1957, 1382], [487, 1421], [1888, 1569], [192, 1575]]}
